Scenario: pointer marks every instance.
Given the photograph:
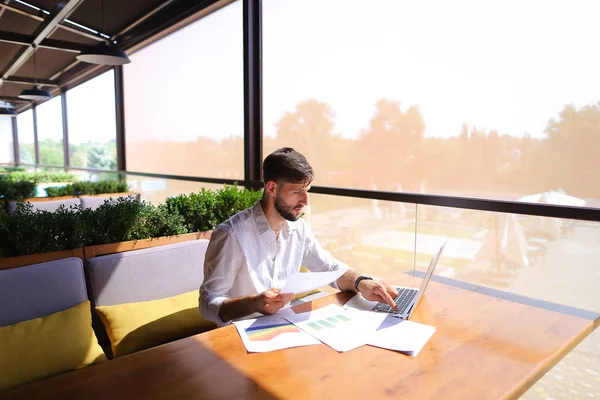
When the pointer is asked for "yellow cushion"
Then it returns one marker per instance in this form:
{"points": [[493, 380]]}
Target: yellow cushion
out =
{"points": [[301, 295], [46, 346], [136, 326]]}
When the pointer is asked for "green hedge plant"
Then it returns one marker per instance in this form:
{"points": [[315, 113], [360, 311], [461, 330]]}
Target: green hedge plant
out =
{"points": [[8, 170], [19, 185], [88, 188], [4, 231], [117, 220], [230, 200], [203, 211], [19, 190], [196, 209], [33, 232], [114, 220], [42, 177], [156, 221]]}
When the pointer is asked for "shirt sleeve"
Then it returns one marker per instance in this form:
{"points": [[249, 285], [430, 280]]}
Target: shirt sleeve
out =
{"points": [[222, 261], [317, 259]]}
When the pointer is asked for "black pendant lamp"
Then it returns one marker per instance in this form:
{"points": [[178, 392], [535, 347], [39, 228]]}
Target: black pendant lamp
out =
{"points": [[35, 94], [6, 110], [104, 53]]}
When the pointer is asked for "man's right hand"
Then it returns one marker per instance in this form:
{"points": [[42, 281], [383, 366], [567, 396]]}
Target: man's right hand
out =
{"points": [[270, 301]]}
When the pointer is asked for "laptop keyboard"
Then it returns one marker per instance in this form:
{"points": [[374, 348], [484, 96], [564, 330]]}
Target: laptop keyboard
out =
{"points": [[403, 301]]}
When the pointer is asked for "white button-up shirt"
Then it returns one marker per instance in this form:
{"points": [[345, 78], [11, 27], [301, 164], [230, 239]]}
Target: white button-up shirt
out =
{"points": [[244, 257]]}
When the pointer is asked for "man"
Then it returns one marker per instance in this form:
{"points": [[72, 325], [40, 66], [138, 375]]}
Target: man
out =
{"points": [[250, 256]]}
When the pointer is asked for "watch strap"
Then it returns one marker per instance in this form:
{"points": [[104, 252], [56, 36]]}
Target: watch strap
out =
{"points": [[361, 278]]}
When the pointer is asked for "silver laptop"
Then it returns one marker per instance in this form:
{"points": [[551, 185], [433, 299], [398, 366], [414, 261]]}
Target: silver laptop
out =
{"points": [[408, 298]]}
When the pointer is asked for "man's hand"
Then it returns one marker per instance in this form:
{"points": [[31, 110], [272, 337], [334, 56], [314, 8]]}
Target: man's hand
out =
{"points": [[378, 291], [270, 301]]}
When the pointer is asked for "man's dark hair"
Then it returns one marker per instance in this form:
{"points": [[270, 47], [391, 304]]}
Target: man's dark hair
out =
{"points": [[286, 164]]}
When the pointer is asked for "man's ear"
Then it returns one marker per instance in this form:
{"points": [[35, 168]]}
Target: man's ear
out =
{"points": [[271, 188]]}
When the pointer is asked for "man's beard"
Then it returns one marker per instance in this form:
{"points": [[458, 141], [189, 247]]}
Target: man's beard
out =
{"points": [[284, 210]]}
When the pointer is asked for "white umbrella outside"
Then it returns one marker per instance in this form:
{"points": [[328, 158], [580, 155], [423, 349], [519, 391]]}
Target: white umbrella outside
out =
{"points": [[553, 197]]}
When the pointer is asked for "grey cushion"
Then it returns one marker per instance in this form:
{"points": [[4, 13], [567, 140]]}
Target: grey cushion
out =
{"points": [[40, 289], [51, 205], [149, 274]]}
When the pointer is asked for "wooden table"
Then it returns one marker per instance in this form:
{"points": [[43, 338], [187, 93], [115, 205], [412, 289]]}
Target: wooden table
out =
{"points": [[485, 347]]}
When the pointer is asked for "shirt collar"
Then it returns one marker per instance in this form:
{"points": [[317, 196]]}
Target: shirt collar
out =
{"points": [[262, 224]]}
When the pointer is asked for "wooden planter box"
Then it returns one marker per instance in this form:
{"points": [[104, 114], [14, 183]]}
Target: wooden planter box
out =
{"points": [[121, 194], [58, 198], [21, 261], [103, 249], [41, 199]]}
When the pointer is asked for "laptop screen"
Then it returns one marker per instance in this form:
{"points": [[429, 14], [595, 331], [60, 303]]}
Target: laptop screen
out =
{"points": [[427, 277]]}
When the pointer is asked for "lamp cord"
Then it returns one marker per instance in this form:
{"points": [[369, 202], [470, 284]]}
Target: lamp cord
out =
{"points": [[102, 8]]}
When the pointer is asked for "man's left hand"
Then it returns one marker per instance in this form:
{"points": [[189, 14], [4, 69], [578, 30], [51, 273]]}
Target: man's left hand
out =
{"points": [[378, 291]]}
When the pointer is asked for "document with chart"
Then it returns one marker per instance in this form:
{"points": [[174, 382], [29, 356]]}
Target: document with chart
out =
{"points": [[271, 332], [333, 326]]}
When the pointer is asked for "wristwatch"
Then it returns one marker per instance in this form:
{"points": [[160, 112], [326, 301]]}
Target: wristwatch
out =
{"points": [[361, 278]]}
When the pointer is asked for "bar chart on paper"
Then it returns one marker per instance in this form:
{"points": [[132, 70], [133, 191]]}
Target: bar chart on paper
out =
{"points": [[329, 323], [271, 332], [333, 326]]}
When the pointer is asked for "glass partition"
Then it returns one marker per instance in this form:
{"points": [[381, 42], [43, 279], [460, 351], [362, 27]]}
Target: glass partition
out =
{"points": [[50, 132], [26, 137], [527, 257], [157, 190], [94, 176], [549, 259], [6, 141], [374, 237], [92, 123]]}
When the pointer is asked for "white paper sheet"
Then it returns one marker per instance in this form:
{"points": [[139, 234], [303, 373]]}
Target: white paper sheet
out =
{"points": [[405, 336], [301, 282], [334, 326], [272, 332], [392, 333]]}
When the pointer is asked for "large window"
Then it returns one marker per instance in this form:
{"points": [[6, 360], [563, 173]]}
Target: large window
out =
{"points": [[6, 141], [26, 137], [50, 132], [92, 123], [467, 98], [546, 259], [184, 100]]}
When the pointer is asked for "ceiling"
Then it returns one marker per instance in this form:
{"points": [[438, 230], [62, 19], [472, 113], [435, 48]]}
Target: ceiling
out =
{"points": [[56, 29]]}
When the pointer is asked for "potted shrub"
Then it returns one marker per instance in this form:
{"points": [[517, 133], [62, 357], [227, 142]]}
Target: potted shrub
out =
{"points": [[92, 194], [47, 179], [19, 185], [181, 218], [114, 188], [126, 223], [203, 211], [120, 224], [32, 236]]}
